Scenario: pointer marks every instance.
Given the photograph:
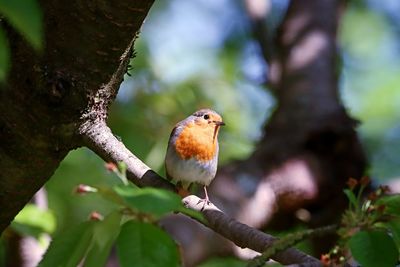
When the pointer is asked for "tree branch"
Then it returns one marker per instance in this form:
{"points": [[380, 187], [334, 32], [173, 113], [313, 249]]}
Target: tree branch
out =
{"points": [[245, 236], [99, 138]]}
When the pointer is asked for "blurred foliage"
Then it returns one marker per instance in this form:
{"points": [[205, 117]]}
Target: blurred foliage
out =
{"points": [[368, 229], [369, 38], [195, 54], [374, 248], [80, 166], [26, 17], [4, 56], [222, 262], [152, 246], [131, 226], [36, 222]]}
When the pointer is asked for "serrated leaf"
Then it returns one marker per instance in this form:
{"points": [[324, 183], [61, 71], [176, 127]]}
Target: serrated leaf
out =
{"points": [[104, 234], [4, 56], [374, 248], [26, 17], [145, 245], [32, 221], [149, 200], [392, 204], [68, 248]]}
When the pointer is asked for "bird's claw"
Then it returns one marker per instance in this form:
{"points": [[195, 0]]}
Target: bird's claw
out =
{"points": [[206, 202]]}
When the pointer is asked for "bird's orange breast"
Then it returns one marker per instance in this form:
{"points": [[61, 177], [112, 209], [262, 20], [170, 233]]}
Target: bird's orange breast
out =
{"points": [[196, 142]]}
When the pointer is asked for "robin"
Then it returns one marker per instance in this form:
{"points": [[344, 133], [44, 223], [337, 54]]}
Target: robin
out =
{"points": [[192, 154]]}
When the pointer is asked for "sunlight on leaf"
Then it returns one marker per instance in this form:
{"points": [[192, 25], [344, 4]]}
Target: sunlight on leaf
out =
{"points": [[33, 220], [26, 17]]}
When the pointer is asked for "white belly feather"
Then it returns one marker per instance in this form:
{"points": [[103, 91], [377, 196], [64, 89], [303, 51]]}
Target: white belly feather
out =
{"points": [[190, 170]]}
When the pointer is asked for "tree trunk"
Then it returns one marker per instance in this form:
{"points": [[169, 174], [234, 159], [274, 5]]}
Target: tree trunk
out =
{"points": [[47, 94]]}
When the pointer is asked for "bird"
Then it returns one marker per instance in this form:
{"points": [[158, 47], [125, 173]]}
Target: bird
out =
{"points": [[192, 153]]}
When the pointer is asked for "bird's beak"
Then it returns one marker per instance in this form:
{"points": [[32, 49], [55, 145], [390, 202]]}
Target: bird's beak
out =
{"points": [[219, 123]]}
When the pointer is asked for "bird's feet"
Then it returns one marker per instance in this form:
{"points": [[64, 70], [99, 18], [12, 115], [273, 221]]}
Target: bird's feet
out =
{"points": [[195, 203]]}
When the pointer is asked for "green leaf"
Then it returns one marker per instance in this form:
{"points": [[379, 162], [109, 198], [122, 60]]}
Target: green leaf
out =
{"points": [[392, 203], [149, 200], [27, 230], [109, 194], [394, 226], [122, 172], [145, 245], [122, 167], [104, 234], [4, 56], [374, 248], [352, 198], [26, 17], [223, 262], [32, 221], [68, 249]]}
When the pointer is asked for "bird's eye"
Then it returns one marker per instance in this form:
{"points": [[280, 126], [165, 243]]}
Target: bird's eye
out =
{"points": [[206, 117]]}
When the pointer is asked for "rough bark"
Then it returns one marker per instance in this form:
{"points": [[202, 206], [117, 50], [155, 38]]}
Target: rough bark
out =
{"points": [[47, 94]]}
